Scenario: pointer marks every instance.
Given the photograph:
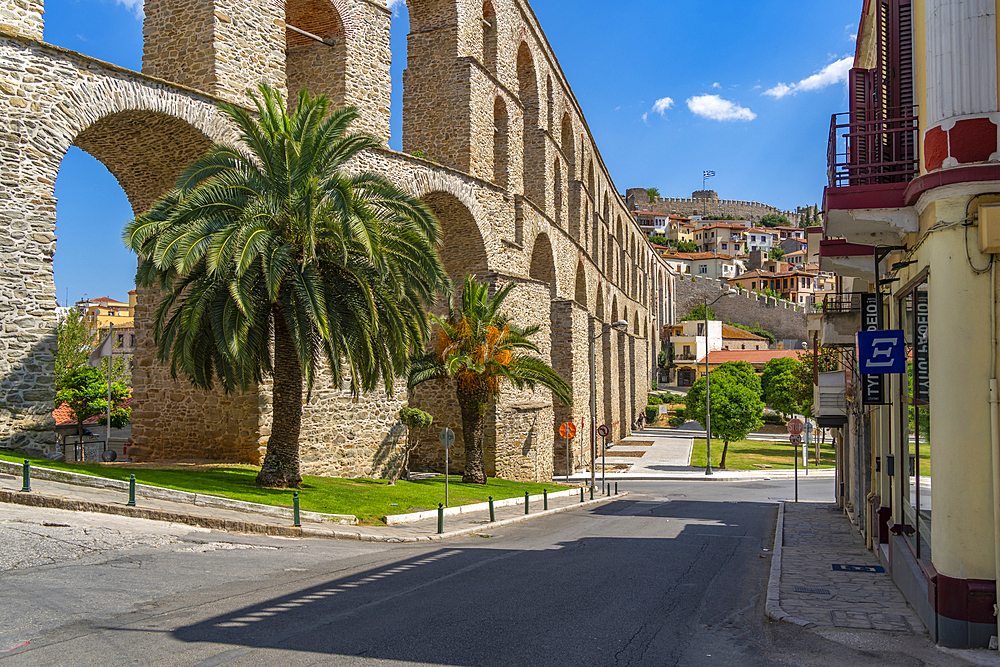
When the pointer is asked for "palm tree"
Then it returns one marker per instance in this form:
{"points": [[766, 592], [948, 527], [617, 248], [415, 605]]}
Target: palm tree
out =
{"points": [[479, 348], [276, 241]]}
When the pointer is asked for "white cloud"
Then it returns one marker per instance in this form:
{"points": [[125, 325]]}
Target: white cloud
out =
{"points": [[393, 5], [715, 108], [835, 72], [717, 85], [134, 6], [645, 118], [661, 105]]}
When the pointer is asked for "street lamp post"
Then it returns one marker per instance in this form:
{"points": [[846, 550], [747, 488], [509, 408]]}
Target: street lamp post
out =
{"points": [[620, 324], [708, 387]]}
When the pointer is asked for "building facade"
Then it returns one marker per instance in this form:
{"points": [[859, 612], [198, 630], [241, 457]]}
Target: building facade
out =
{"points": [[911, 230]]}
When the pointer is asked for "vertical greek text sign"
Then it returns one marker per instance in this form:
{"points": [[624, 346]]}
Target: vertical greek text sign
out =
{"points": [[872, 386], [921, 351]]}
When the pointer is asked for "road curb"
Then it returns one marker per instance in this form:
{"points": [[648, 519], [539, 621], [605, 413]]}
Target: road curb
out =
{"points": [[233, 526], [772, 604]]}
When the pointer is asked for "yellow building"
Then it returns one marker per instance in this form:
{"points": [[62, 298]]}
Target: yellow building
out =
{"points": [[912, 212], [104, 310]]}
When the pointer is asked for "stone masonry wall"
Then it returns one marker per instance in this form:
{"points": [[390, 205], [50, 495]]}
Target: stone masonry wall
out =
{"points": [[782, 318], [753, 211]]}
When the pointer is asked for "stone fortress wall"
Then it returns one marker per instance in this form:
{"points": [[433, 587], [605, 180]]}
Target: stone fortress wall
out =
{"points": [[496, 144], [783, 318], [707, 202]]}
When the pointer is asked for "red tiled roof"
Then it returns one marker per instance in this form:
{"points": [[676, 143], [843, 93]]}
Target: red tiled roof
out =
{"points": [[729, 331], [750, 356], [64, 416]]}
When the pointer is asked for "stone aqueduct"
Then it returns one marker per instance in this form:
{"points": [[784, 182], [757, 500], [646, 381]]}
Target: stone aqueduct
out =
{"points": [[494, 142]]}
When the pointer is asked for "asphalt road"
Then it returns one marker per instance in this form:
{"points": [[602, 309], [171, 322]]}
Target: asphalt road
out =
{"points": [[674, 574]]}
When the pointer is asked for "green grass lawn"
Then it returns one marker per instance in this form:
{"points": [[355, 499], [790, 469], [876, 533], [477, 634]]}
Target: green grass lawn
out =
{"points": [[368, 499], [744, 453]]}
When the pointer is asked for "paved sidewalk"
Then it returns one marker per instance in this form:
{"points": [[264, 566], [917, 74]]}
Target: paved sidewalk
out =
{"points": [[805, 589], [47, 493]]}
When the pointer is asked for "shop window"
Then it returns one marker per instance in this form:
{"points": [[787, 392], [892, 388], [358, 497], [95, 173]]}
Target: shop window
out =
{"points": [[914, 311]]}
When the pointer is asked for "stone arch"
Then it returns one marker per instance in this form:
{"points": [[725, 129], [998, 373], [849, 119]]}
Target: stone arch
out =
{"points": [[580, 291], [319, 67], [490, 38], [599, 304], [501, 142], [607, 209], [614, 309], [568, 145], [635, 327], [462, 249], [533, 179], [590, 179], [543, 263], [550, 104]]}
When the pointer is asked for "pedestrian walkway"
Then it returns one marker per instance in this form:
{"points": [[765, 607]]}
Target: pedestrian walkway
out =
{"points": [[47, 493], [823, 576]]}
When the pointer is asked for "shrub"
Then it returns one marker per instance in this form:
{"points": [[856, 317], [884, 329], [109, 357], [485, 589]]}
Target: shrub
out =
{"points": [[676, 420], [654, 400], [652, 414], [773, 419]]}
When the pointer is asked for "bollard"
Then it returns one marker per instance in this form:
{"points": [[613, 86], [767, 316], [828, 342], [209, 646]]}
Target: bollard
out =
{"points": [[616, 488], [525, 502], [440, 518], [295, 510], [607, 491], [545, 499], [581, 494], [493, 515], [26, 477], [131, 491], [591, 491]]}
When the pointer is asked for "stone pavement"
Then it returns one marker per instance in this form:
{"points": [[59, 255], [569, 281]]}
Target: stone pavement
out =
{"points": [[805, 589], [46, 493]]}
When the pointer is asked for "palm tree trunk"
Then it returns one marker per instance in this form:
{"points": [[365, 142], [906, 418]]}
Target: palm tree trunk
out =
{"points": [[473, 406], [280, 468]]}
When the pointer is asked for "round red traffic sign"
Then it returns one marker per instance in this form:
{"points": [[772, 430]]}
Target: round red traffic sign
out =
{"points": [[795, 439], [567, 429], [794, 426], [603, 430]]}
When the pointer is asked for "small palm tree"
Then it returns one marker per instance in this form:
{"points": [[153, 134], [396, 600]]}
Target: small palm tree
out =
{"points": [[480, 348], [276, 244]]}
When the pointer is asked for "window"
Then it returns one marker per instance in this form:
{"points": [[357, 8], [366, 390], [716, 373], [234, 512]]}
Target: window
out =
{"points": [[121, 343], [687, 350], [914, 442], [724, 248], [753, 285], [703, 269], [131, 340]]}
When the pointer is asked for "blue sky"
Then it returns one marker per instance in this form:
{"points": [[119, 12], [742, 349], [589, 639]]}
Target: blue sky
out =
{"points": [[668, 88]]}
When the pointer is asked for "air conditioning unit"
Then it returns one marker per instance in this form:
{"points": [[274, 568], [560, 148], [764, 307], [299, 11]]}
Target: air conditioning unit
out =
{"points": [[830, 399]]}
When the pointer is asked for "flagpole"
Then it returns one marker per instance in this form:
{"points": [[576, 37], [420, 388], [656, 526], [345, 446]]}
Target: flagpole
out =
{"points": [[111, 357]]}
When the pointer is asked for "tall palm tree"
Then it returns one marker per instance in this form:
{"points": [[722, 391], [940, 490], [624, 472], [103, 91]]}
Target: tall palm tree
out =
{"points": [[481, 348], [275, 241]]}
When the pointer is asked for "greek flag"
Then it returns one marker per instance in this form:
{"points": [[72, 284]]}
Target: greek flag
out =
{"points": [[707, 174]]}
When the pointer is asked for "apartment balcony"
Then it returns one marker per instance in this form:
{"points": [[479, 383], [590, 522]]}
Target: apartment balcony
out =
{"points": [[872, 156], [839, 320], [830, 399], [837, 256]]}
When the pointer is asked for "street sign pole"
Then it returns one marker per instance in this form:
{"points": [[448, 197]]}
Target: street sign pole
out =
{"points": [[805, 446], [447, 438], [446, 476], [567, 460], [796, 441], [604, 448]]}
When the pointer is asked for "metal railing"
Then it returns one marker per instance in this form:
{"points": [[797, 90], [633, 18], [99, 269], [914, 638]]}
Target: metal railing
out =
{"points": [[873, 147], [841, 302]]}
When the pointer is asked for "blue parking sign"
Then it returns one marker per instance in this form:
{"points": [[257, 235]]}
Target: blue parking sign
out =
{"points": [[881, 352]]}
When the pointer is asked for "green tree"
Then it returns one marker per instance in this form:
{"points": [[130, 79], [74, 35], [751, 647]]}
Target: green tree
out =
{"points": [[773, 369], [773, 220], [280, 240], [776, 253], [736, 409], [480, 348], [784, 394], [698, 313], [687, 246], [653, 194], [660, 240], [742, 372], [85, 390], [416, 421], [75, 340]]}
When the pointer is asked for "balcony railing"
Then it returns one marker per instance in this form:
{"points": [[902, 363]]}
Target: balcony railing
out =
{"points": [[873, 147], [841, 302]]}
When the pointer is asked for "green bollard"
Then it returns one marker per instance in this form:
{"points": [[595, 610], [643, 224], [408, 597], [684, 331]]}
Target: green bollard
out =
{"points": [[607, 491], [591, 491], [295, 510], [131, 491], [26, 477], [493, 515], [440, 518], [545, 497], [525, 502], [616, 488]]}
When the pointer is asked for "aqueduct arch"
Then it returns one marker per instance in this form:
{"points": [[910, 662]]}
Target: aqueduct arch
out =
{"points": [[495, 143]]}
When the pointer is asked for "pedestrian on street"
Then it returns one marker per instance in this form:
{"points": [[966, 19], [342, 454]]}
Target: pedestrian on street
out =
{"points": [[641, 420]]}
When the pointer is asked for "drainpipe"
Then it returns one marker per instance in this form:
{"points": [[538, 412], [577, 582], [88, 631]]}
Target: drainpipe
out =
{"points": [[995, 430]]}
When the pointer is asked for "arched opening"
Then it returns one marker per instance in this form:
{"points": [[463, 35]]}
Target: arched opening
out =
{"points": [[557, 194], [320, 67], [599, 305], [543, 265], [462, 249], [550, 104], [590, 180], [533, 138], [580, 292], [501, 150], [489, 38], [568, 145], [624, 370], [607, 210]]}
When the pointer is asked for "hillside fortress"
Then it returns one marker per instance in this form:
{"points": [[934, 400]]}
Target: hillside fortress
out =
{"points": [[707, 202], [494, 142]]}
